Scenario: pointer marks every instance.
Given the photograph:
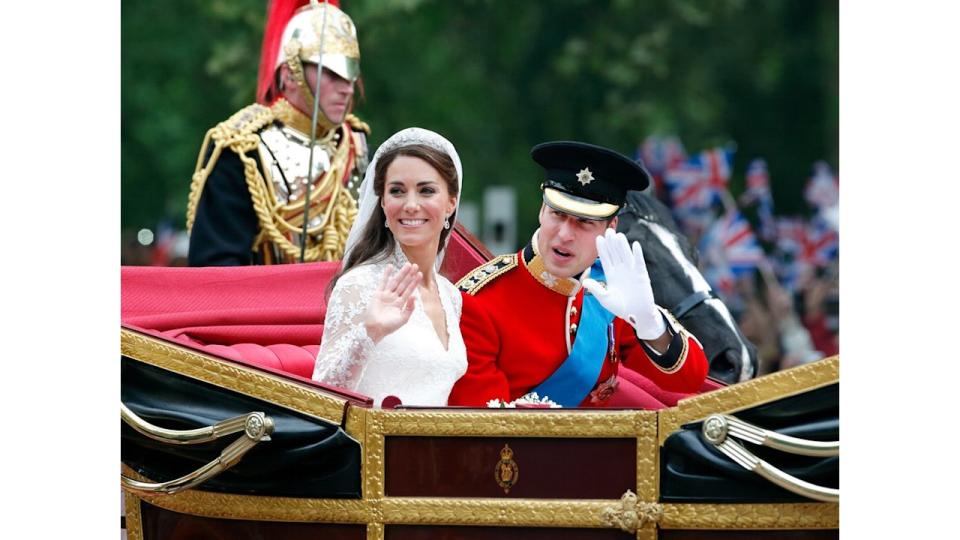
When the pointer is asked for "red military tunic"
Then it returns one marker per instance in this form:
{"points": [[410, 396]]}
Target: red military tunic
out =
{"points": [[514, 323]]}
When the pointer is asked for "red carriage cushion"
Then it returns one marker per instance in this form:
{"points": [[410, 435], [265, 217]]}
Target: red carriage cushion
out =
{"points": [[269, 316]]}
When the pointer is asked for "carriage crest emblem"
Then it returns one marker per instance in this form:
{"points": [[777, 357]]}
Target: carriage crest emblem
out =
{"points": [[506, 472]]}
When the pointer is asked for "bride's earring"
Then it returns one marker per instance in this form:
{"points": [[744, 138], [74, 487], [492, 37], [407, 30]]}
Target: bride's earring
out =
{"points": [[446, 224]]}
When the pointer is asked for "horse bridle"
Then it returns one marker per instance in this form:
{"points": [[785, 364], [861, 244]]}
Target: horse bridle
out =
{"points": [[692, 301], [695, 299]]}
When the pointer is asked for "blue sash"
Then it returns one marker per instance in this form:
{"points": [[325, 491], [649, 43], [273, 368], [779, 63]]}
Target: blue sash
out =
{"points": [[577, 375]]}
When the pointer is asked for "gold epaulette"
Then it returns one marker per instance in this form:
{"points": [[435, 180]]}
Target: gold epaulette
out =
{"points": [[357, 124], [239, 133], [486, 272], [246, 121]]}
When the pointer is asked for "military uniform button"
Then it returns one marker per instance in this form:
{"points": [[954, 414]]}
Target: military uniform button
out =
{"points": [[573, 328]]}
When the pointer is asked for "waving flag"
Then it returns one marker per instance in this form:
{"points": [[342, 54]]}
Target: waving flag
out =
{"points": [[802, 247], [731, 240], [791, 234], [758, 190], [659, 155], [821, 244], [823, 188], [716, 169], [699, 181], [758, 183], [688, 190]]}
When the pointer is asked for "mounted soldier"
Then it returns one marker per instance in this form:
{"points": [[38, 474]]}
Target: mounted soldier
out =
{"points": [[248, 193]]}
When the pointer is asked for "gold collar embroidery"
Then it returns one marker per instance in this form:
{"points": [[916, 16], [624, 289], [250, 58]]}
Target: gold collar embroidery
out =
{"points": [[296, 120], [534, 265]]}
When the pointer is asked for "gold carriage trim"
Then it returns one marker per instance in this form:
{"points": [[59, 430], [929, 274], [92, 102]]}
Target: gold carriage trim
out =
{"points": [[486, 272], [746, 394], [131, 511], [374, 426], [751, 516], [248, 381]]}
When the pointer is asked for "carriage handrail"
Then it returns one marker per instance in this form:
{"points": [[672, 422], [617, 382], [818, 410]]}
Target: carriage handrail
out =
{"points": [[256, 427], [717, 427]]}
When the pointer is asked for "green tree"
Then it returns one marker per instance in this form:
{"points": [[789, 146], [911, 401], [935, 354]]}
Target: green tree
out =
{"points": [[499, 76]]}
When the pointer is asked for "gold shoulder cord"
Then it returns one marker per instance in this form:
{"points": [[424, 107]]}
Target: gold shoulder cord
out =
{"points": [[358, 124], [275, 218], [239, 133]]}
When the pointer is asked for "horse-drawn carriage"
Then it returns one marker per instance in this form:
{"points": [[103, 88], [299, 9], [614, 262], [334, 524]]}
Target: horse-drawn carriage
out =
{"points": [[226, 436]]}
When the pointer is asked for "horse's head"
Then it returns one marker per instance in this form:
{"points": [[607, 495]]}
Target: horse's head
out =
{"points": [[680, 287]]}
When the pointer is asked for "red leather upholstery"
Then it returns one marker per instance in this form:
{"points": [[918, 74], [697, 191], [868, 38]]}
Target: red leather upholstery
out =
{"points": [[464, 253], [269, 316]]}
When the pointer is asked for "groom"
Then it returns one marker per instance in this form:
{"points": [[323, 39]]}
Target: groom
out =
{"points": [[555, 320]]}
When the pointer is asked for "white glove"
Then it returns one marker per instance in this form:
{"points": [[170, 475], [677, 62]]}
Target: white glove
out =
{"points": [[628, 294]]}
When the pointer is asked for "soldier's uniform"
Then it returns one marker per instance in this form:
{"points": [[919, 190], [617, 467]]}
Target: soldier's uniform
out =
{"points": [[246, 203], [520, 324]]}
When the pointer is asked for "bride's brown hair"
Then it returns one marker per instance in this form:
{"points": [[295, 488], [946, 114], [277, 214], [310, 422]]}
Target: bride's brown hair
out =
{"points": [[376, 241]]}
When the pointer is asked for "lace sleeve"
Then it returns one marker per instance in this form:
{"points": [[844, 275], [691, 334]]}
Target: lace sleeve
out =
{"points": [[453, 293], [346, 347]]}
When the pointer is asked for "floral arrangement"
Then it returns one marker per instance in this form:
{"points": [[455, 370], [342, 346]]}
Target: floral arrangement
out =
{"points": [[527, 401]]}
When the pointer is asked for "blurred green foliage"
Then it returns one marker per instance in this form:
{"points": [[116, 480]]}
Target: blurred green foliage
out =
{"points": [[497, 77]]}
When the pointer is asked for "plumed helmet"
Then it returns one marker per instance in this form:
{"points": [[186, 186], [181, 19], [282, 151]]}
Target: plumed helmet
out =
{"points": [[300, 41], [302, 38]]}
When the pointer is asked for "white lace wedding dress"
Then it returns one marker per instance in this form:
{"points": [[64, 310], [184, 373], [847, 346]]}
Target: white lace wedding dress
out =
{"points": [[411, 363]]}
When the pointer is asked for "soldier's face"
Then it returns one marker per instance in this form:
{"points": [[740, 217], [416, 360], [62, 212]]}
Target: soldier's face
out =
{"points": [[568, 244], [335, 93]]}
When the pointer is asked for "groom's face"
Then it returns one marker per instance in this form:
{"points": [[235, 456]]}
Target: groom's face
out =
{"points": [[566, 243]]}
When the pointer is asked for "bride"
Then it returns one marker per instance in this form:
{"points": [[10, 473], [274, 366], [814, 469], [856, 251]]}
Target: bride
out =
{"points": [[393, 323]]}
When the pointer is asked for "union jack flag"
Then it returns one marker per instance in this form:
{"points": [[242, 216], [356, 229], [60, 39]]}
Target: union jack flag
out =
{"points": [[758, 189], [821, 244], [823, 188], [731, 240], [659, 155], [716, 164], [698, 182], [791, 234], [688, 191], [758, 183], [802, 247]]}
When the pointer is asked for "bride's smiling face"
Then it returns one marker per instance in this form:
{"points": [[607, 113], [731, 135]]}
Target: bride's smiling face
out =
{"points": [[416, 201]]}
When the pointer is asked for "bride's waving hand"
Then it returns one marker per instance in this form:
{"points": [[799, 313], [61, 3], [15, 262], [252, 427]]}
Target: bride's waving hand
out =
{"points": [[393, 302]]}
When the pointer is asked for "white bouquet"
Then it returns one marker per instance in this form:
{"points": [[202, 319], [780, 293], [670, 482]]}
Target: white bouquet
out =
{"points": [[527, 401]]}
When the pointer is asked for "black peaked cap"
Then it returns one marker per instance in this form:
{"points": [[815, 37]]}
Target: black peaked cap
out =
{"points": [[586, 180]]}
